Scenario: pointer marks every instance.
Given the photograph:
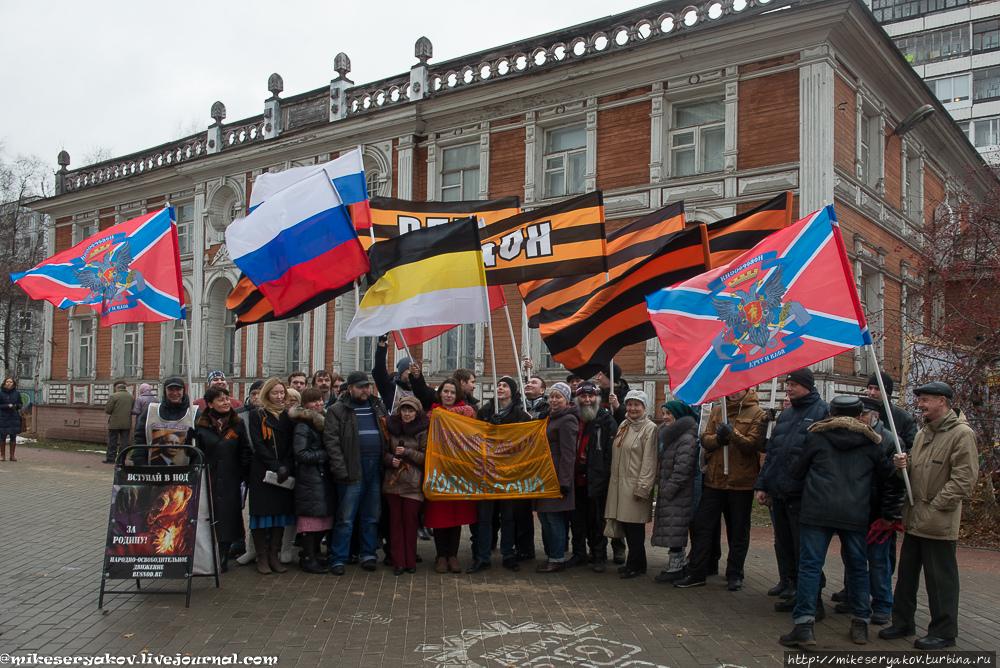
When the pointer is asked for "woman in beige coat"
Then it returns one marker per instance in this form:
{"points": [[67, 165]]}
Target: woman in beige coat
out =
{"points": [[633, 474]]}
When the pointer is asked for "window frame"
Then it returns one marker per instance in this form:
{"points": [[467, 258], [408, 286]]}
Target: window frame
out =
{"points": [[974, 97], [565, 155], [462, 171], [83, 350], [698, 131], [185, 229], [465, 340], [131, 369], [995, 30]]}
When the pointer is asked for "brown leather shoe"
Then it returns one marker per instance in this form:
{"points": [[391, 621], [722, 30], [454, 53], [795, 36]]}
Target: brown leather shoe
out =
{"points": [[453, 565], [551, 567], [442, 565]]}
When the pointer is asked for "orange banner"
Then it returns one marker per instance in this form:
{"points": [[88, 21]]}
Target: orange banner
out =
{"points": [[469, 459]]}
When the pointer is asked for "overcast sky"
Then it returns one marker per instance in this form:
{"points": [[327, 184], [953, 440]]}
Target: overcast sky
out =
{"points": [[127, 75]]}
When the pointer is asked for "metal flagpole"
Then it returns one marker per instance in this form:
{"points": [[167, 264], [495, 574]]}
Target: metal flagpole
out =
{"points": [[707, 251], [493, 361], [187, 355], [888, 415], [357, 341], [513, 341], [405, 347]]}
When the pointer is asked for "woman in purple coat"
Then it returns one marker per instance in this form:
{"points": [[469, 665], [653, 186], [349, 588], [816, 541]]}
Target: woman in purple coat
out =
{"points": [[562, 432]]}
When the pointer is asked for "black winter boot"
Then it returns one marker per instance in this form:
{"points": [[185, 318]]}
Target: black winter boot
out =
{"points": [[307, 559], [802, 634]]}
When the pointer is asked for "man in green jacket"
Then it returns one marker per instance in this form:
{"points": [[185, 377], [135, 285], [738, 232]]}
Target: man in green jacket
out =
{"points": [[943, 466], [119, 408]]}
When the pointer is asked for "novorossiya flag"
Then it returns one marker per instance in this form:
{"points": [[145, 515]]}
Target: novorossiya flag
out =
{"points": [[431, 276], [788, 303], [130, 272], [564, 239]]}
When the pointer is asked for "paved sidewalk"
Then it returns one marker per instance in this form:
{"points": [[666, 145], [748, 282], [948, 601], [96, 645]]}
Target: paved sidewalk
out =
{"points": [[53, 518]]}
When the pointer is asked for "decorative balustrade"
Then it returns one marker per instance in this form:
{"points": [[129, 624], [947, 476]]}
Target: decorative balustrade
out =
{"points": [[624, 31]]}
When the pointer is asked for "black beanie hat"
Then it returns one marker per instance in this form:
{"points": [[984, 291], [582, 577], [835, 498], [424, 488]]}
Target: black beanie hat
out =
{"points": [[886, 380], [849, 406], [803, 377], [515, 393]]}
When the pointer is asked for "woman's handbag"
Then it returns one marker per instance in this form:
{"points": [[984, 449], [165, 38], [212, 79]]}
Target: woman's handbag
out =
{"points": [[614, 529]]}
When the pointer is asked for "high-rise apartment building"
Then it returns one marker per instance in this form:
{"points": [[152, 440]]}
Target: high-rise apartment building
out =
{"points": [[955, 46]]}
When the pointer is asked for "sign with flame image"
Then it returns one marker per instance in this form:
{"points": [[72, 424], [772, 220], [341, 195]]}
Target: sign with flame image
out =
{"points": [[154, 515]]}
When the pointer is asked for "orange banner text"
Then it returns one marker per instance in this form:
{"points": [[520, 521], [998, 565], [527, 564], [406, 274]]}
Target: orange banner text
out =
{"points": [[469, 459]]}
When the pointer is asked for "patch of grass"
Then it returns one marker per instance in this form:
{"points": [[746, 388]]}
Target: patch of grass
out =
{"points": [[759, 516], [65, 446]]}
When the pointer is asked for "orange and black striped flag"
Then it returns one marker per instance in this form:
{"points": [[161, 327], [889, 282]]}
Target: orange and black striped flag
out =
{"points": [[626, 246], [585, 333], [392, 217], [564, 239], [251, 307]]}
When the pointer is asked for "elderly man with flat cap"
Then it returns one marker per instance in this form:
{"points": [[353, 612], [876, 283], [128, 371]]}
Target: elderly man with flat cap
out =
{"points": [[943, 465]]}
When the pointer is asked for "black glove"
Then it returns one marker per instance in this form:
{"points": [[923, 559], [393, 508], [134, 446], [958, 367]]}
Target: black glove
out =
{"points": [[722, 433], [564, 490], [770, 415], [383, 341], [282, 475]]}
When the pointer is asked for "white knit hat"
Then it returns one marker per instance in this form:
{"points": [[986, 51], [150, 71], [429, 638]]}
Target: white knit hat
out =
{"points": [[638, 395], [563, 389]]}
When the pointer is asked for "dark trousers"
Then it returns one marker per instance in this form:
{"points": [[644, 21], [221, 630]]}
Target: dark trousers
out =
{"points": [[114, 436], [484, 529], [404, 520], [446, 541], [735, 506], [587, 523], [786, 534], [940, 565], [524, 528], [635, 538]]}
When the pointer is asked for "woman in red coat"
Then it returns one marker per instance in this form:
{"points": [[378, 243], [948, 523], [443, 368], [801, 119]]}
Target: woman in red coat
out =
{"points": [[448, 517]]}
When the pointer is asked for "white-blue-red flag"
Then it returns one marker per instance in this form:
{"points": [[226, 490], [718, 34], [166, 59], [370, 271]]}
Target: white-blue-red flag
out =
{"points": [[130, 272], [347, 173], [789, 302], [298, 243]]}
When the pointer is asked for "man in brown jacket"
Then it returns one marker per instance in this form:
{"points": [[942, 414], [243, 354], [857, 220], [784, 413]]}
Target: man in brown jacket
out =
{"points": [[727, 493], [943, 465]]}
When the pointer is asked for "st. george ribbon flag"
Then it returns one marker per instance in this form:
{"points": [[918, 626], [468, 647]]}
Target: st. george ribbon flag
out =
{"points": [[789, 302], [297, 243], [130, 272], [347, 173]]}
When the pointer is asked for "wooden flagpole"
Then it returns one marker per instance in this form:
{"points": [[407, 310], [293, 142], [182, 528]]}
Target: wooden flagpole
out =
{"points": [[493, 361], [513, 341]]}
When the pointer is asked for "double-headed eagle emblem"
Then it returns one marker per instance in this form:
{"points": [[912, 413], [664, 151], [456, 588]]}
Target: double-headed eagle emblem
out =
{"points": [[752, 314], [106, 272]]}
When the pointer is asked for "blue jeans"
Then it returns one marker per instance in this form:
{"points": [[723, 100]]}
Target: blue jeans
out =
{"points": [[554, 534], [880, 577], [365, 498], [814, 541], [484, 527]]}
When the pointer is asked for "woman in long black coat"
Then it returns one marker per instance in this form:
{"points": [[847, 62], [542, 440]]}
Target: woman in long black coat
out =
{"points": [[10, 416], [272, 508], [315, 493], [220, 434], [678, 436]]}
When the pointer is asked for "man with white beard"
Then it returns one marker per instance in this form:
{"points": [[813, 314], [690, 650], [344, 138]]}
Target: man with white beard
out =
{"points": [[591, 475]]}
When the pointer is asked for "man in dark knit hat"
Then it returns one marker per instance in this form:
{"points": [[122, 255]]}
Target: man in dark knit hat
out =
{"points": [[906, 426], [774, 481]]}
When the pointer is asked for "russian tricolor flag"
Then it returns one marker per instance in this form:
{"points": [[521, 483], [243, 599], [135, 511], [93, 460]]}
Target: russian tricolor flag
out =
{"points": [[347, 173], [298, 239]]}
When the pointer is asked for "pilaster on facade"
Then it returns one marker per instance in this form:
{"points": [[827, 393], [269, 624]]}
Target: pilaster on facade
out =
{"points": [[656, 133], [404, 174], [484, 162], [590, 177], [816, 130], [731, 153], [432, 167], [530, 143]]}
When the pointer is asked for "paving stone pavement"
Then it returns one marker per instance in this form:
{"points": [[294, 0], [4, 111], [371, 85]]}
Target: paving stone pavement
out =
{"points": [[53, 514]]}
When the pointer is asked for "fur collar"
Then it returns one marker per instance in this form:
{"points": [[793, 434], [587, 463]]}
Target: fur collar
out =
{"points": [[848, 423], [205, 421], [668, 433], [397, 427], [301, 414]]}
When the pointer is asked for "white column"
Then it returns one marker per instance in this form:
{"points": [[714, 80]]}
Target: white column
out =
{"points": [[404, 174], [656, 134], [816, 107], [319, 338]]}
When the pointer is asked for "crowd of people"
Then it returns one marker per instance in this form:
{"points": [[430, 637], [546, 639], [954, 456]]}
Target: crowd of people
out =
{"points": [[822, 469]]}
